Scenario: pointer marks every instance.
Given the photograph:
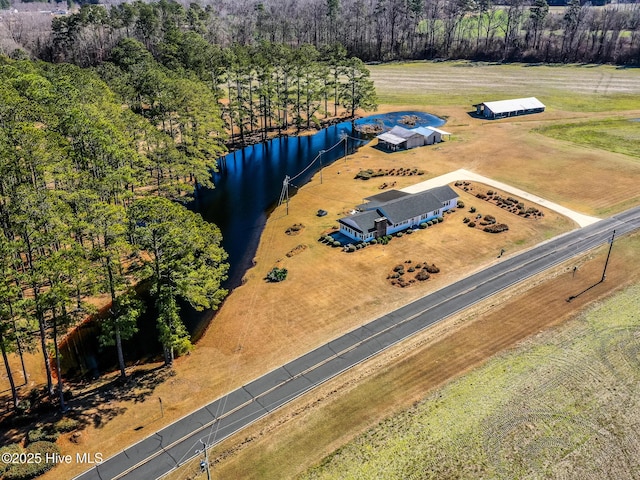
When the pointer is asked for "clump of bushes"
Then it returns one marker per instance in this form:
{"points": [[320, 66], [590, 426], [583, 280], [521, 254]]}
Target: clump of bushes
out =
{"points": [[364, 174], [432, 268], [422, 275], [25, 470], [293, 229], [489, 219], [277, 274], [496, 228], [46, 433]]}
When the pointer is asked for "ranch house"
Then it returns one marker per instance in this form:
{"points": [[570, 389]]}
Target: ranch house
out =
{"points": [[394, 211], [509, 108]]}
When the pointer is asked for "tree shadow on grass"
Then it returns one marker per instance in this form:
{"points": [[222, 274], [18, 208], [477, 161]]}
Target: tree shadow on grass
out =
{"points": [[93, 405]]}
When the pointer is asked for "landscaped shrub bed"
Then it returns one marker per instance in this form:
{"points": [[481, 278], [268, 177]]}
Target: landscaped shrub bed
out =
{"points": [[496, 228], [509, 203], [408, 273], [397, 172]]}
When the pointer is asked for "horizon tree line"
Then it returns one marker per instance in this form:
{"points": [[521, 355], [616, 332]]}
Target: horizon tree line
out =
{"points": [[371, 30]]}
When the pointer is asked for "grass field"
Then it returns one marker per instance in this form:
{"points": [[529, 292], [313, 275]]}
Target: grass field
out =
{"points": [[327, 292], [620, 136], [564, 405], [574, 88], [485, 410]]}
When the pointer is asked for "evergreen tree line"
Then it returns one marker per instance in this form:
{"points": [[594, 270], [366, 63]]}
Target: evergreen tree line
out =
{"points": [[372, 30], [88, 207], [262, 87], [96, 160]]}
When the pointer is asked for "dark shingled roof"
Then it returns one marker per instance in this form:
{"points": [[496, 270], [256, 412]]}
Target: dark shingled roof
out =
{"points": [[375, 201], [363, 222], [444, 193], [414, 205], [400, 207]]}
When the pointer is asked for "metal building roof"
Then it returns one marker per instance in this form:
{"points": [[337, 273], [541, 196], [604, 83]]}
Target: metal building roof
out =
{"points": [[504, 106], [391, 138], [427, 131]]}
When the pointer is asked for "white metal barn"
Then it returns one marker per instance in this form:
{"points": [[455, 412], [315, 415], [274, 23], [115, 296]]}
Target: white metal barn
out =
{"points": [[431, 134], [509, 108], [400, 138]]}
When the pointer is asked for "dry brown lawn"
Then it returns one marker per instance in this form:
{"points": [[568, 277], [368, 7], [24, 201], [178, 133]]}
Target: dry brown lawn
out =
{"points": [[328, 292], [301, 434]]}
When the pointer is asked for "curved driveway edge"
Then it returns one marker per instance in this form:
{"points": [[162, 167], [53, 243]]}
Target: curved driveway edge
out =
{"points": [[579, 218]]}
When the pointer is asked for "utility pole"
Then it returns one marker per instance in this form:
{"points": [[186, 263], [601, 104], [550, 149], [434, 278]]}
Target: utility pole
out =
{"points": [[284, 195], [204, 464], [320, 156], [604, 272], [346, 144]]}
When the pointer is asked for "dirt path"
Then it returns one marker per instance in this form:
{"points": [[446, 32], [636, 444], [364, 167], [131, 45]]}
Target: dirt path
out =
{"points": [[462, 174]]}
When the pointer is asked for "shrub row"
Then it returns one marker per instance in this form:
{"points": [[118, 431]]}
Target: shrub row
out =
{"points": [[496, 228]]}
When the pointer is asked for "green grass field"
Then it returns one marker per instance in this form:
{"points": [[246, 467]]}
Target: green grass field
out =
{"points": [[620, 136], [563, 406], [576, 88]]}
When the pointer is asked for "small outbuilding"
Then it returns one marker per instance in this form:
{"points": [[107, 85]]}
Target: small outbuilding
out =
{"points": [[431, 135], [400, 138], [509, 108]]}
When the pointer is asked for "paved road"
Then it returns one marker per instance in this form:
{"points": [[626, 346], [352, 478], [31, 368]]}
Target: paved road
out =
{"points": [[175, 444]]}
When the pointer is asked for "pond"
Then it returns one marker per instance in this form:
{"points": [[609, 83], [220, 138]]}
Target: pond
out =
{"points": [[249, 182], [248, 185]]}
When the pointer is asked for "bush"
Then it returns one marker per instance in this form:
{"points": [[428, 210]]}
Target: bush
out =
{"points": [[398, 267], [335, 243], [465, 220], [65, 425], [399, 234], [432, 268], [471, 224], [13, 448], [496, 228], [277, 274], [27, 471], [374, 241], [350, 248], [460, 204], [490, 219], [411, 270], [364, 174], [472, 210], [423, 225], [439, 219], [410, 231], [422, 275], [46, 433], [490, 193]]}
